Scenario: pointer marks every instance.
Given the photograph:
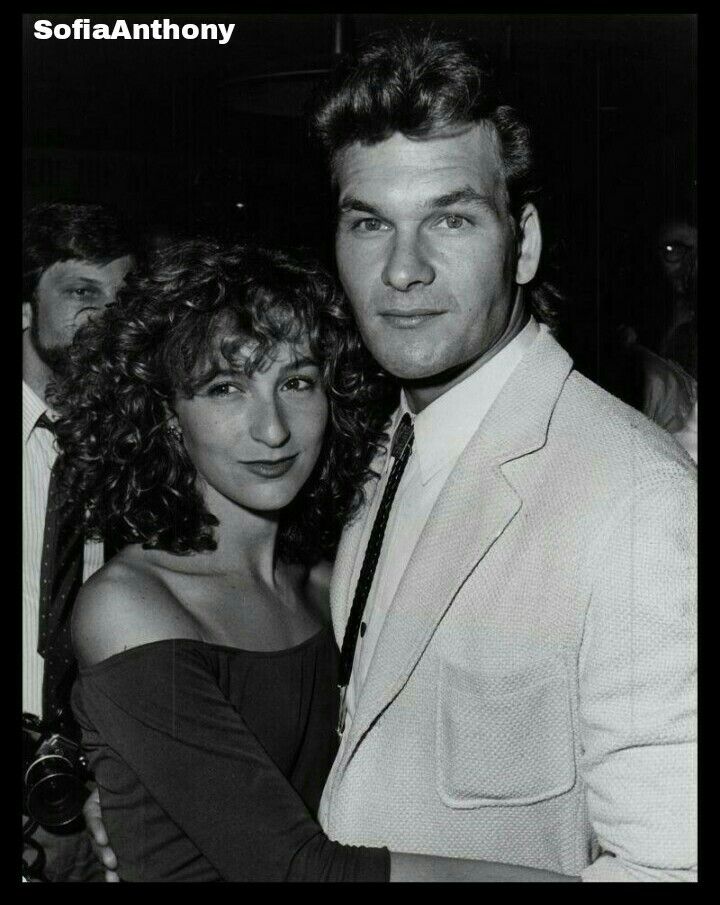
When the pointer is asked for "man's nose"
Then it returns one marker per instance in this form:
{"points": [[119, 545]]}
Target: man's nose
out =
{"points": [[267, 424], [408, 264]]}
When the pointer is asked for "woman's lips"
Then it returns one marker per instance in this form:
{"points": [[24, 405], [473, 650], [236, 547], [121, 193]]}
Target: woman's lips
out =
{"points": [[271, 468]]}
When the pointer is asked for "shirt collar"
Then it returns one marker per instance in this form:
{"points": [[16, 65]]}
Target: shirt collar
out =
{"points": [[33, 407], [444, 428]]}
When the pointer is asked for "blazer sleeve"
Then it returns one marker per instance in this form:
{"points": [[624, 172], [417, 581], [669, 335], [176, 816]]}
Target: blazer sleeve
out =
{"points": [[638, 686], [160, 708]]}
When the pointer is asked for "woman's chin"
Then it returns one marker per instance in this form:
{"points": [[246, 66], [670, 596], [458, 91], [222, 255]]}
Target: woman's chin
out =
{"points": [[270, 497]]}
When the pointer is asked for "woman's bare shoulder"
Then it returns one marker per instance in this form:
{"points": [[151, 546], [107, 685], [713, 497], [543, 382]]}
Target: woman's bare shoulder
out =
{"points": [[123, 605]]}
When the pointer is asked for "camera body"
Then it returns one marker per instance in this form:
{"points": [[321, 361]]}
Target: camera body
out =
{"points": [[55, 774]]}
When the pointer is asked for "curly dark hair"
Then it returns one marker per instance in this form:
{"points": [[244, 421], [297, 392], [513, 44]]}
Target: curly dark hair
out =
{"points": [[194, 304], [421, 83]]}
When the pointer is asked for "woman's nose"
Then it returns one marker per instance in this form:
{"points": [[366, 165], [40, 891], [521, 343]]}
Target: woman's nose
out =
{"points": [[267, 425]]}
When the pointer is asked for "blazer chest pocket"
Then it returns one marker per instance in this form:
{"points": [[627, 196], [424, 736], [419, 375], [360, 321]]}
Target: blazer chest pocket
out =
{"points": [[503, 739]]}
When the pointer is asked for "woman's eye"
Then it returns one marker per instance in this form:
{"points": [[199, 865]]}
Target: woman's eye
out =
{"points": [[299, 384], [223, 389]]}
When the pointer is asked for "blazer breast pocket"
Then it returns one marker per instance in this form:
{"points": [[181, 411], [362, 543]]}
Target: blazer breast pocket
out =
{"points": [[503, 739]]}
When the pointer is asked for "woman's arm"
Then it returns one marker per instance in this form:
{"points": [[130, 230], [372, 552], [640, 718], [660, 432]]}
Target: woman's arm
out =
{"points": [[404, 868]]}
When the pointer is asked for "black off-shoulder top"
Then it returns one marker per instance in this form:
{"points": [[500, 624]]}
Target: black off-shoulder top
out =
{"points": [[210, 762]]}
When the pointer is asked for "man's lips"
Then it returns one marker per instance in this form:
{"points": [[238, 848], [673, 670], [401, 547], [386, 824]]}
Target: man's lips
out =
{"points": [[410, 317]]}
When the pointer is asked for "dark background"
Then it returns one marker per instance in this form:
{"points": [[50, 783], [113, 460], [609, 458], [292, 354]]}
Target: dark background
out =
{"points": [[178, 133]]}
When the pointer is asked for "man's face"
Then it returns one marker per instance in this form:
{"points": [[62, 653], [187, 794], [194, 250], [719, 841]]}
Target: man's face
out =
{"points": [[426, 249], [67, 295]]}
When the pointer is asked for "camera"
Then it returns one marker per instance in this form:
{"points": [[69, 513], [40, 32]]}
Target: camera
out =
{"points": [[54, 775]]}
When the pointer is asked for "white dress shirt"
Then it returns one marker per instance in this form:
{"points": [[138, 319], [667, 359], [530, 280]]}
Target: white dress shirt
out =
{"points": [[39, 454], [442, 431]]}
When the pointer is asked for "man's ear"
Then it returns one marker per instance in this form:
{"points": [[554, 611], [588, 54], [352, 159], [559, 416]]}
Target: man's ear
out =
{"points": [[26, 315], [529, 245]]}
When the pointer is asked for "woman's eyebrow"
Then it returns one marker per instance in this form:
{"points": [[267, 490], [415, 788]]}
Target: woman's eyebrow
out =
{"points": [[300, 362], [216, 372]]}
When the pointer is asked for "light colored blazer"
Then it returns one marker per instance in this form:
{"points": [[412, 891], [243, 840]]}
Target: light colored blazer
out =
{"points": [[531, 698]]}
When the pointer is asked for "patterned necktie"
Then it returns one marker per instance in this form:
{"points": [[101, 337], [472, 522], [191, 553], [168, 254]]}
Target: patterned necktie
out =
{"points": [[401, 449], [61, 571]]}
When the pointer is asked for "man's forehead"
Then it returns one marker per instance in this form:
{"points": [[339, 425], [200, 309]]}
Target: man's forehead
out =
{"points": [[92, 270], [468, 157]]}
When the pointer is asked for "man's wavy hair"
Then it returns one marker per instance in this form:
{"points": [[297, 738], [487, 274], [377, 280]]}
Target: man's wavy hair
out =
{"points": [[423, 85], [183, 317]]}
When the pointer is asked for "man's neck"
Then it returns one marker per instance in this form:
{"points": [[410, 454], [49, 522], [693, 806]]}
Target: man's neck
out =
{"points": [[36, 373], [421, 393]]}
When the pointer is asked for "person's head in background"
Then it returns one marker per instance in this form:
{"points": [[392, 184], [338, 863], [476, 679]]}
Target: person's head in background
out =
{"points": [[677, 249], [677, 252], [438, 240], [662, 291], [75, 258]]}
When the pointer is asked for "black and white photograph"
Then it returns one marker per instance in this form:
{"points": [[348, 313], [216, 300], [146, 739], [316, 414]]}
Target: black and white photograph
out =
{"points": [[360, 447]]}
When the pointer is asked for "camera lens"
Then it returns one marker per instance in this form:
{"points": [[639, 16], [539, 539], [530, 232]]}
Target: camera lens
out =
{"points": [[55, 794]]}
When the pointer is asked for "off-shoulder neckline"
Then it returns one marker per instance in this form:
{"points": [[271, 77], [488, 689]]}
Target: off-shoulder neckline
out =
{"points": [[256, 654]]}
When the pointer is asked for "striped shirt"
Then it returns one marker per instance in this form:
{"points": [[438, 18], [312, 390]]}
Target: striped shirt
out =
{"points": [[39, 454]]}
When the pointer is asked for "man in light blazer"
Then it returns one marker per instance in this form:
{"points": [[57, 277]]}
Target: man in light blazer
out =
{"points": [[523, 644]]}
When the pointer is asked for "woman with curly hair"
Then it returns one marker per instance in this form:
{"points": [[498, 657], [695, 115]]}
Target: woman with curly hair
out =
{"points": [[218, 424]]}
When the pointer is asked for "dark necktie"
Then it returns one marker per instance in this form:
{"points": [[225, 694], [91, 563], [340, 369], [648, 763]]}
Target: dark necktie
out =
{"points": [[61, 572], [401, 449]]}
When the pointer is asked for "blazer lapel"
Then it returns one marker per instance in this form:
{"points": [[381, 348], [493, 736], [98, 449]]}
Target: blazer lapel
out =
{"points": [[472, 511], [343, 568]]}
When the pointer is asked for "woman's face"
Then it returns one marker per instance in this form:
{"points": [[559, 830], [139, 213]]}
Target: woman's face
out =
{"points": [[255, 440]]}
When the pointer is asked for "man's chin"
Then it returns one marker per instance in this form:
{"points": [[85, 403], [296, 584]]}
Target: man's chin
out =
{"points": [[57, 359], [419, 364], [428, 373]]}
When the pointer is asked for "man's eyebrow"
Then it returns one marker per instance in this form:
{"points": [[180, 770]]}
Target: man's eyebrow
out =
{"points": [[350, 203], [465, 195], [79, 278]]}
